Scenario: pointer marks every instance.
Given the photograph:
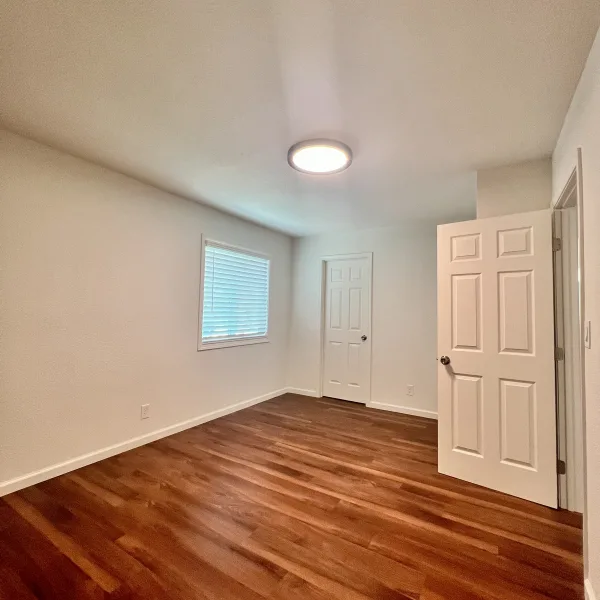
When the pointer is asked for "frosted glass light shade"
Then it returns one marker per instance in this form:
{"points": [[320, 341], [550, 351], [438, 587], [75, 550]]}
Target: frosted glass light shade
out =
{"points": [[320, 156]]}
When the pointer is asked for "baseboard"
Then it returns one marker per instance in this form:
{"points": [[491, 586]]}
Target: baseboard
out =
{"points": [[405, 410], [301, 392], [18, 483], [589, 590]]}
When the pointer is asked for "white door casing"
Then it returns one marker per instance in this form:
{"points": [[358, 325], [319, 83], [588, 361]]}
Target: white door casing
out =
{"points": [[572, 364], [496, 398], [347, 320]]}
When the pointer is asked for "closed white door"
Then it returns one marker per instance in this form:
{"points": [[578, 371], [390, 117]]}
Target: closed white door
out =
{"points": [[496, 397], [347, 339]]}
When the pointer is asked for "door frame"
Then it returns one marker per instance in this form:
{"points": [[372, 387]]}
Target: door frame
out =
{"points": [[571, 431], [323, 266]]}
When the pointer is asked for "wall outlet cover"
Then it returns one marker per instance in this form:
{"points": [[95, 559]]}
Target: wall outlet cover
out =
{"points": [[410, 390], [145, 411]]}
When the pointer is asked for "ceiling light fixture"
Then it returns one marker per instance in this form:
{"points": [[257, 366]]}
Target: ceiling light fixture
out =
{"points": [[319, 157]]}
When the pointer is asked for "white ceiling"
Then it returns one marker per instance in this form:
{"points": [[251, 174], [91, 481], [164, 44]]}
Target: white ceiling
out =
{"points": [[204, 97]]}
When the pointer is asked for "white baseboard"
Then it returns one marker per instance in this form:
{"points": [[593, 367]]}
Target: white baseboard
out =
{"points": [[589, 590], [405, 410], [18, 483], [301, 392]]}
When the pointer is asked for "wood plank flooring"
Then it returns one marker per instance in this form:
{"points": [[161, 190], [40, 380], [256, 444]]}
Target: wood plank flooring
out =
{"points": [[292, 499]]}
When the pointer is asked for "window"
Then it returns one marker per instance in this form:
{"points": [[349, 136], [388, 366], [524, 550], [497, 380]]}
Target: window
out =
{"points": [[235, 297]]}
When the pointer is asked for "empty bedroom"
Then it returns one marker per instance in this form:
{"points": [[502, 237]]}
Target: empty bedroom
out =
{"points": [[299, 299]]}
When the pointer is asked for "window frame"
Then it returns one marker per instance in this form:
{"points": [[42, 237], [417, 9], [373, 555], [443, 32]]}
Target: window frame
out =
{"points": [[247, 341]]}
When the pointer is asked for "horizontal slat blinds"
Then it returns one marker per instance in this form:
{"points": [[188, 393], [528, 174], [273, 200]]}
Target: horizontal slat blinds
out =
{"points": [[236, 295]]}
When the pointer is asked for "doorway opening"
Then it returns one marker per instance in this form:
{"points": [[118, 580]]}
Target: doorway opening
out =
{"points": [[569, 331]]}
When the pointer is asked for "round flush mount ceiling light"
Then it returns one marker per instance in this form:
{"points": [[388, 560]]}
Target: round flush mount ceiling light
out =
{"points": [[319, 157]]}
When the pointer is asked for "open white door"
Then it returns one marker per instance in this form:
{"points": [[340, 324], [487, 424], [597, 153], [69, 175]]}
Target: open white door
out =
{"points": [[347, 329], [496, 397]]}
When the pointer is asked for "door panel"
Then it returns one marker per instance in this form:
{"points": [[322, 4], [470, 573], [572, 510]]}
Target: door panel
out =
{"points": [[347, 357], [496, 399], [516, 312], [515, 242], [355, 308], [517, 422], [467, 423], [335, 311], [466, 316], [466, 247]]}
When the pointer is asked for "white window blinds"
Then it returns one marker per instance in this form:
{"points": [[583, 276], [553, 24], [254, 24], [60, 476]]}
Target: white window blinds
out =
{"points": [[236, 294]]}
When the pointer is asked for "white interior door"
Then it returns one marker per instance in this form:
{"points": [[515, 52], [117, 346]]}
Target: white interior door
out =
{"points": [[347, 335], [496, 397]]}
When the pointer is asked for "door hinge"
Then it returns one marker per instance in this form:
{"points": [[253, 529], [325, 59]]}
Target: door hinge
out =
{"points": [[561, 467], [556, 244], [559, 354]]}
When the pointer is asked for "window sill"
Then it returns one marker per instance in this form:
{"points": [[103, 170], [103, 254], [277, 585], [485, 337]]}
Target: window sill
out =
{"points": [[232, 343]]}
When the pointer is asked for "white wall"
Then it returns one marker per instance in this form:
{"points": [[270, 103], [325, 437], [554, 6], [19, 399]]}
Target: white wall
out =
{"points": [[582, 129], [515, 188], [404, 329], [99, 284]]}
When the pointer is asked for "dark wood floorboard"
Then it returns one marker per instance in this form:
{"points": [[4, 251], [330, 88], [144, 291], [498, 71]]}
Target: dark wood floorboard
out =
{"points": [[292, 499]]}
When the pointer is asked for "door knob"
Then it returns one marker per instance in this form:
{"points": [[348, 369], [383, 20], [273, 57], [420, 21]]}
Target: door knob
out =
{"points": [[445, 360], [363, 338]]}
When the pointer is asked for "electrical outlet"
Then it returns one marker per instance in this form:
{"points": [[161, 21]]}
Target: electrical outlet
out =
{"points": [[410, 390], [145, 412], [587, 334]]}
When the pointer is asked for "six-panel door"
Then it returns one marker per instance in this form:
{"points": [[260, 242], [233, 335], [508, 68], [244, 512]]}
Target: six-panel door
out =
{"points": [[496, 400], [347, 356]]}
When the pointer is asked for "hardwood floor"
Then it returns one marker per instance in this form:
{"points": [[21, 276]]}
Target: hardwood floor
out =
{"points": [[292, 499]]}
